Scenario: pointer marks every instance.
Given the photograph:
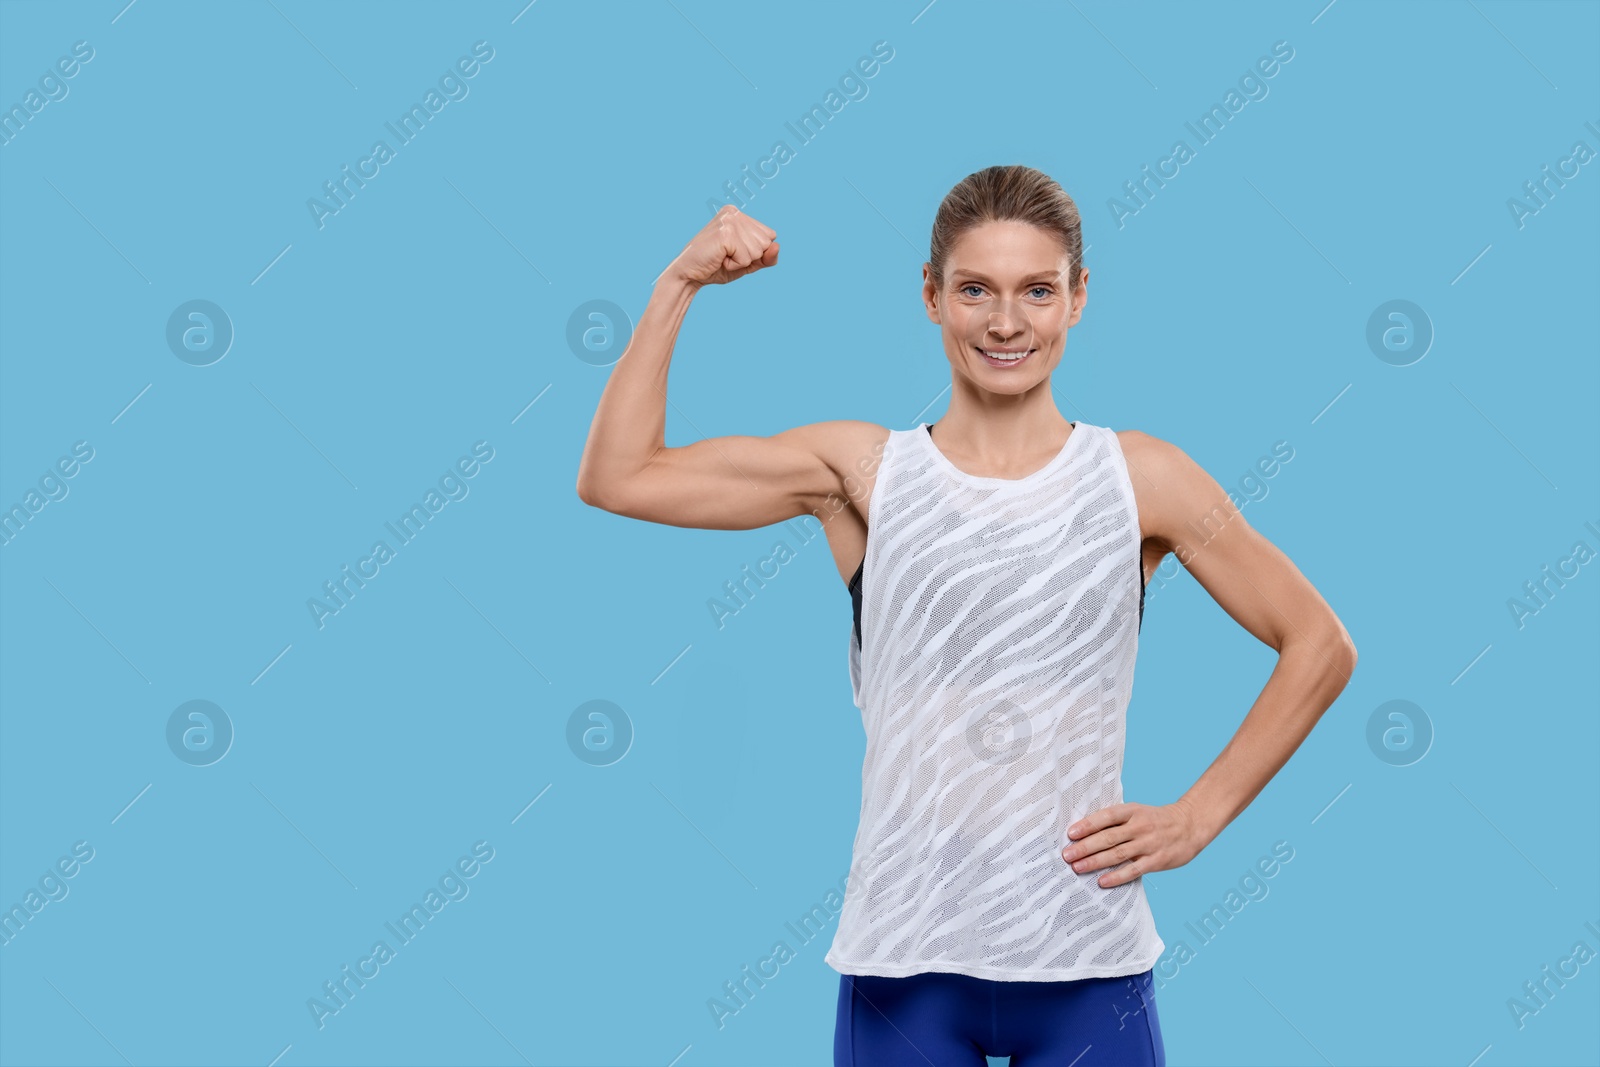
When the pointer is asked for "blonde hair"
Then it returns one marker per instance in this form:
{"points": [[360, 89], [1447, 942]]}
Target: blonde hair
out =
{"points": [[1003, 194]]}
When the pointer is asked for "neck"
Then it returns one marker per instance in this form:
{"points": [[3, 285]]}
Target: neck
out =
{"points": [[1000, 434]]}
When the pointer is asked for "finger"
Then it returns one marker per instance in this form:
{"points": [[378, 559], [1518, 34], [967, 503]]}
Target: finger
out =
{"points": [[1086, 825], [734, 243], [1097, 820], [1113, 860], [755, 225], [1124, 874], [1109, 856], [754, 245], [762, 260], [1100, 841], [766, 258]]}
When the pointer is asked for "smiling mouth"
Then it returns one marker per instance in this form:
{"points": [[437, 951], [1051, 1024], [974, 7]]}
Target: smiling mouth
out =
{"points": [[999, 358]]}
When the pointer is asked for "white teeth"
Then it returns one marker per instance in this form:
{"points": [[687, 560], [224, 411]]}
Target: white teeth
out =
{"points": [[1007, 357]]}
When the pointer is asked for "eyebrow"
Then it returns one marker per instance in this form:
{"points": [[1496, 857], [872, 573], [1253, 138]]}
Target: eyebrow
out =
{"points": [[1050, 275]]}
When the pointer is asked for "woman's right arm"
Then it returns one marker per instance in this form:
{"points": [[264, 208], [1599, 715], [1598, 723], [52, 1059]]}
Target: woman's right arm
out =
{"points": [[720, 483]]}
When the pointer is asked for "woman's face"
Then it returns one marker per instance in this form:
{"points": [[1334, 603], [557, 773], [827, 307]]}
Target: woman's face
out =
{"points": [[1005, 294]]}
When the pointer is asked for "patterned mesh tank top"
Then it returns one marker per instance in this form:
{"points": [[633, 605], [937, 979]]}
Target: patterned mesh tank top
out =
{"points": [[993, 665]]}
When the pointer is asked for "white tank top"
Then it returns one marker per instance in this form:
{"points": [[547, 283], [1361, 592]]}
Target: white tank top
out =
{"points": [[999, 625]]}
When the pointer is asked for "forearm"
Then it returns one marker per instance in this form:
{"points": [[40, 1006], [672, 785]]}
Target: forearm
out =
{"points": [[1308, 677], [629, 424]]}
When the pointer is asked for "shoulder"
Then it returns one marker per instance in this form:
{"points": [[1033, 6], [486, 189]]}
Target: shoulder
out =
{"points": [[1148, 451], [1170, 488]]}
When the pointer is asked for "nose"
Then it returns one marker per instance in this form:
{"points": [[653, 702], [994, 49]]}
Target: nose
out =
{"points": [[1006, 321]]}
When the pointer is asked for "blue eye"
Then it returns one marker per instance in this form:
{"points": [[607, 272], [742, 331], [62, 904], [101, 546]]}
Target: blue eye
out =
{"points": [[1036, 288], [964, 288]]}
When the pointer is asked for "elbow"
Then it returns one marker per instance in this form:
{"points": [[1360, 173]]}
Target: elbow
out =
{"points": [[590, 483], [603, 494], [1334, 642], [609, 489], [1347, 648], [1342, 652], [1332, 649], [590, 494], [1347, 658]]}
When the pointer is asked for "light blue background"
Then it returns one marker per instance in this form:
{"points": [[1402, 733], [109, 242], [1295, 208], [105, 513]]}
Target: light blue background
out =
{"points": [[1226, 315]]}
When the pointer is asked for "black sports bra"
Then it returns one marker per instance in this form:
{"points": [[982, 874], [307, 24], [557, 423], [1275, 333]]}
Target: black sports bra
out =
{"points": [[855, 585]]}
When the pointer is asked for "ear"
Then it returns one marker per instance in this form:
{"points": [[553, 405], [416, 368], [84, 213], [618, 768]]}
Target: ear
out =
{"points": [[930, 294], [1080, 298]]}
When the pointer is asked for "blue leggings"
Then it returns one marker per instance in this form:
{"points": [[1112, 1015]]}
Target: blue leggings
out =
{"points": [[955, 1020]]}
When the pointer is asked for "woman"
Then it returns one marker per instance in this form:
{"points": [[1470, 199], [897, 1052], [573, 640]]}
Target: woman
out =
{"points": [[994, 904]]}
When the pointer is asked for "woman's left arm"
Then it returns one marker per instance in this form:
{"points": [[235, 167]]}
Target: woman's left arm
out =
{"points": [[1183, 510]]}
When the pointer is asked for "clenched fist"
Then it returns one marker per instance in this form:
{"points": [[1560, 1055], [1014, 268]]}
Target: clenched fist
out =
{"points": [[732, 245]]}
